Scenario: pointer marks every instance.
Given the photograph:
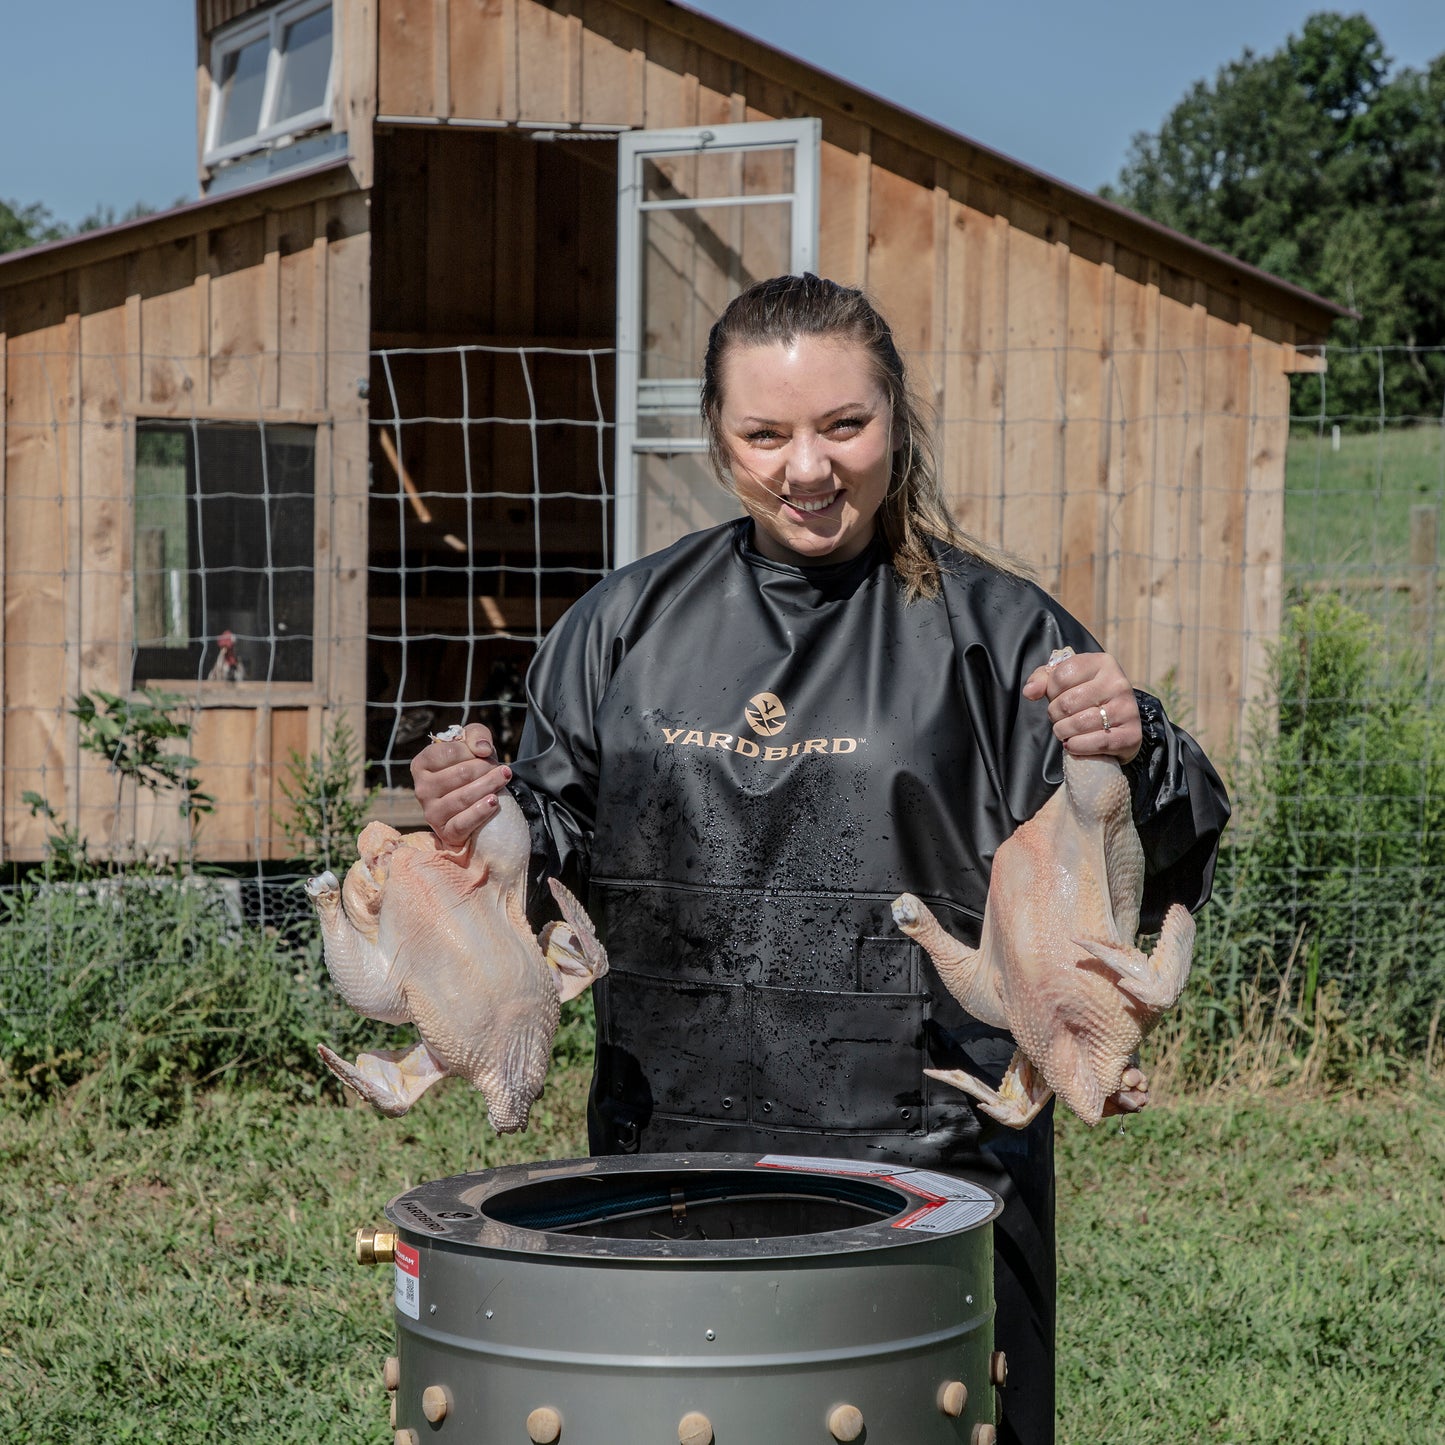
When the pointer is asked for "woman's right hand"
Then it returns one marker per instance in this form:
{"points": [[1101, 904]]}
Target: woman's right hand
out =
{"points": [[457, 782]]}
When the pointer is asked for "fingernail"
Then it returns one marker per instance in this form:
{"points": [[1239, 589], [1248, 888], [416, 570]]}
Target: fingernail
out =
{"points": [[507, 774]]}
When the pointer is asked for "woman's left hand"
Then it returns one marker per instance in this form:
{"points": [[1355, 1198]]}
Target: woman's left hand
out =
{"points": [[1091, 705]]}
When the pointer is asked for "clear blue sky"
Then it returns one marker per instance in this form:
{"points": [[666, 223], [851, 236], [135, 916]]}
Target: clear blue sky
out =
{"points": [[97, 97]]}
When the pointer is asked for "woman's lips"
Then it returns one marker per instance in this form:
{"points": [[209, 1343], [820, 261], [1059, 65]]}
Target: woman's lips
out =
{"points": [[812, 506]]}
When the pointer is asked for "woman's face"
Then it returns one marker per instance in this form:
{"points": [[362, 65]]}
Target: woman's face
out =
{"points": [[809, 431]]}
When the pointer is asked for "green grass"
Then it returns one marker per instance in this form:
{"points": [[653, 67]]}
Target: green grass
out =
{"points": [[1255, 1269], [1258, 1269], [1347, 512], [194, 1281]]}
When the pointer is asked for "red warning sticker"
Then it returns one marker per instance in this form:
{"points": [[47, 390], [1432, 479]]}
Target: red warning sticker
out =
{"points": [[408, 1280]]}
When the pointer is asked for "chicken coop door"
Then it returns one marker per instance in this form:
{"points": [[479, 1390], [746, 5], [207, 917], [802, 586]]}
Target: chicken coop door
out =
{"points": [[702, 214]]}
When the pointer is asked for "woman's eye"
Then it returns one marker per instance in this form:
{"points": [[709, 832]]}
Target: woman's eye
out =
{"points": [[849, 423], [762, 436]]}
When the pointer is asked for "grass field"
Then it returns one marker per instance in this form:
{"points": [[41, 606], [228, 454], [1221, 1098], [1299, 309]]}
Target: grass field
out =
{"points": [[1255, 1269], [1347, 512]]}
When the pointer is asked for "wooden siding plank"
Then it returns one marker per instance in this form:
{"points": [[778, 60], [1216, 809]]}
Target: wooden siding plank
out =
{"points": [[1133, 485], [356, 104], [900, 261], [1220, 619], [1084, 560], [1263, 580], [103, 583], [296, 346], [39, 510], [476, 56], [319, 337], [290, 733], [341, 514], [230, 764], [241, 314], [514, 243], [597, 251], [4, 448], [441, 58], [399, 222], [73, 449], [269, 305], [559, 242], [1032, 383], [671, 83], [611, 38], [170, 298], [1177, 406], [972, 421], [406, 58], [542, 82]]}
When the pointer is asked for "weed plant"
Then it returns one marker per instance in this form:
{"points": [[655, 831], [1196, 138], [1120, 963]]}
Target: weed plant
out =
{"points": [[1324, 947]]}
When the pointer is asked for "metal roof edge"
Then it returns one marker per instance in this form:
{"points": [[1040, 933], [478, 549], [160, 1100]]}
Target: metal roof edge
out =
{"points": [[333, 177]]}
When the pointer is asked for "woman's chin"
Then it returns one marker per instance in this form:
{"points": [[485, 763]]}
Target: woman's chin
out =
{"points": [[802, 545]]}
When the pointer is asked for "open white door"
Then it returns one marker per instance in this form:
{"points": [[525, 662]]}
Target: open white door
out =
{"points": [[702, 214]]}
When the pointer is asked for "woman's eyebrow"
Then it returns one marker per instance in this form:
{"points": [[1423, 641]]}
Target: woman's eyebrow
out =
{"points": [[832, 411]]}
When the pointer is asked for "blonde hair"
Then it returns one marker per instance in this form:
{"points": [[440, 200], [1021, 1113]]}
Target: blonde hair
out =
{"points": [[914, 510]]}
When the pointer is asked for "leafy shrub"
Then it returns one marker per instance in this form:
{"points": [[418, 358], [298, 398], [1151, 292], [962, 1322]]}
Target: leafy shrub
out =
{"points": [[327, 805], [145, 987], [1330, 891]]}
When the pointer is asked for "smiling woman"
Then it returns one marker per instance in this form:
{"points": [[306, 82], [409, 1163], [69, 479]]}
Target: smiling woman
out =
{"points": [[741, 749]]}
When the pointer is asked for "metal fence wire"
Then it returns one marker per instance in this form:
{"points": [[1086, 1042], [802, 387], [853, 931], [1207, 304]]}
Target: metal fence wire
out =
{"points": [[491, 510]]}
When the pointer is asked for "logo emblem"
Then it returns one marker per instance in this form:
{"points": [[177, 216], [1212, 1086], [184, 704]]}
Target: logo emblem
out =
{"points": [[766, 714]]}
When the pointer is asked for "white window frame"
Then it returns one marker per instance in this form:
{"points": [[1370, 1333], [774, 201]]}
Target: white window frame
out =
{"points": [[270, 24], [804, 137]]}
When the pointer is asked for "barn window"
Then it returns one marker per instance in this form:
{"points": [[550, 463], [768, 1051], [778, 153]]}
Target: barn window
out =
{"points": [[224, 547], [270, 78]]}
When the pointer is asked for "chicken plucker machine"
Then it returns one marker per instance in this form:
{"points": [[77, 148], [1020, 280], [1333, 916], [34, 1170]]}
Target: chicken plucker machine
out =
{"points": [[736, 1298]]}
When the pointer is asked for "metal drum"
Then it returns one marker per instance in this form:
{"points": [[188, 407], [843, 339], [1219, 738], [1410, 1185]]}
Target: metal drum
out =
{"points": [[657, 1298]]}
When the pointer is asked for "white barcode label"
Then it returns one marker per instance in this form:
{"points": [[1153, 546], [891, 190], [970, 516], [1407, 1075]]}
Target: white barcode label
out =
{"points": [[408, 1280]]}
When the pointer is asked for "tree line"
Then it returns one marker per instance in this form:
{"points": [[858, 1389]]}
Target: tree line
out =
{"points": [[1322, 165], [33, 225]]}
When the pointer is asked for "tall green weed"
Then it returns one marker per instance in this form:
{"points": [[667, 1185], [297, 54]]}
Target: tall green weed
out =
{"points": [[1328, 921]]}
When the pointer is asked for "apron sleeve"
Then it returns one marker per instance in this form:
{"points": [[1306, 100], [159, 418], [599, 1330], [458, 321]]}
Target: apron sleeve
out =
{"points": [[1180, 809], [554, 777]]}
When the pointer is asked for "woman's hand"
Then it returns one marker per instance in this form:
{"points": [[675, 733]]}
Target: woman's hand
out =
{"points": [[1091, 705], [1133, 1093], [457, 781]]}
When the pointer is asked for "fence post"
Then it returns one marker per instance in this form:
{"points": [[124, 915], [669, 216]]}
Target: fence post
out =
{"points": [[1424, 569]]}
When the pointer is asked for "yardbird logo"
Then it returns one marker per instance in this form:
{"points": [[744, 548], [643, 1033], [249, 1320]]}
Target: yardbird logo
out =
{"points": [[766, 714]]}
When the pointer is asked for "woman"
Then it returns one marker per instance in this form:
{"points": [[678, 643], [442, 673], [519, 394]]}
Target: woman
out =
{"points": [[745, 746]]}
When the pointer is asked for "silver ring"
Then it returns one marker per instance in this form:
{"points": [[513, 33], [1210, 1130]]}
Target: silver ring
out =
{"points": [[1104, 717]]}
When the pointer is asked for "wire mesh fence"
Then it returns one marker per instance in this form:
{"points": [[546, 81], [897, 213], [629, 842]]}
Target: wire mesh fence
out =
{"points": [[489, 509]]}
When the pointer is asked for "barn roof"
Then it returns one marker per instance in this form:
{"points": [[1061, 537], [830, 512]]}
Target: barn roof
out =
{"points": [[1118, 223], [1313, 313], [316, 182]]}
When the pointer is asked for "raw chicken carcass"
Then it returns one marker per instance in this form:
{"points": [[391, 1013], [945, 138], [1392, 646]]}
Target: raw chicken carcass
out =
{"points": [[1057, 963], [439, 937]]}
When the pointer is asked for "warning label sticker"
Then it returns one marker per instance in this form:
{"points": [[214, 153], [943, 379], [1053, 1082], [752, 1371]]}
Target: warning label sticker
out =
{"points": [[408, 1280], [825, 1166], [952, 1203], [946, 1216]]}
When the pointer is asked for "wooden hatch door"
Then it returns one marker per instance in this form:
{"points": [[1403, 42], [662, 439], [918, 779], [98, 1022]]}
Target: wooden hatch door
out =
{"points": [[703, 212]]}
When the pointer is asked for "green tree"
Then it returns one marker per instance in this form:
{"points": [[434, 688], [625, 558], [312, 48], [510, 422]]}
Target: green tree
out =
{"points": [[22, 226], [1318, 164]]}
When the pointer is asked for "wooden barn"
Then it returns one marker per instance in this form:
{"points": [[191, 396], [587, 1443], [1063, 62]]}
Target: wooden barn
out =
{"points": [[342, 438]]}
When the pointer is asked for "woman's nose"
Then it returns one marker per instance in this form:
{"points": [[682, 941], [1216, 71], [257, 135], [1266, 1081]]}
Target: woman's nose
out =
{"points": [[808, 460]]}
